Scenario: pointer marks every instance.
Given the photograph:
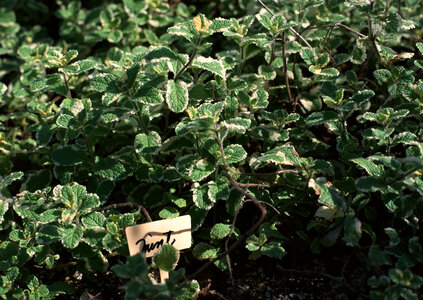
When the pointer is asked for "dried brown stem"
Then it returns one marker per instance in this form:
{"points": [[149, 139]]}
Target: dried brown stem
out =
{"points": [[117, 205], [249, 232]]}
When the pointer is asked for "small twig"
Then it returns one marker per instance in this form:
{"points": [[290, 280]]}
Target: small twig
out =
{"points": [[285, 70], [277, 172], [246, 235], [350, 29], [371, 35], [189, 62], [138, 112], [117, 205], [219, 142], [274, 208], [290, 28], [402, 176], [67, 86], [257, 185]]}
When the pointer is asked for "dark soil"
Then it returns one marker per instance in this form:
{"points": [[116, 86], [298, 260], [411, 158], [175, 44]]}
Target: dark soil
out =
{"points": [[266, 278]]}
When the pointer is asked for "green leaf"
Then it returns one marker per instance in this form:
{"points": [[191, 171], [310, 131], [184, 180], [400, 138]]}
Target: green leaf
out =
{"points": [[318, 118], [284, 155], [370, 184], [359, 53], [352, 231], [218, 190], [169, 212], [45, 133], [362, 95], [220, 24], [148, 95], [330, 72], [419, 46], [167, 258], [71, 235], [105, 83], [9, 179], [177, 95], [69, 155], [4, 206], [131, 74], [370, 167], [200, 170], [210, 64], [198, 216], [204, 251], [136, 6], [79, 67], [110, 168], [48, 234], [200, 196], [147, 144], [48, 82], [219, 231], [308, 56], [94, 220], [234, 153], [273, 249], [328, 195], [185, 29], [382, 74], [415, 248], [159, 53]]}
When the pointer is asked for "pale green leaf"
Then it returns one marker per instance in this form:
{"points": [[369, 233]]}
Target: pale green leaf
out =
{"points": [[147, 144], [168, 212], [317, 118], [71, 236], [94, 220], [167, 258], [234, 153], [204, 251], [210, 64], [148, 95], [370, 167], [419, 46], [370, 184], [219, 231], [79, 67], [200, 196], [177, 95], [200, 170]]}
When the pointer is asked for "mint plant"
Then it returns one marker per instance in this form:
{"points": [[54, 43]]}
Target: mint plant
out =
{"points": [[305, 113]]}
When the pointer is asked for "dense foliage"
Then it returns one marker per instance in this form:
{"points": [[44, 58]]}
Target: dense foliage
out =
{"points": [[113, 110]]}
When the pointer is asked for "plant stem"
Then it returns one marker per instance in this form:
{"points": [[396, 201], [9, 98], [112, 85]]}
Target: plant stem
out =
{"points": [[138, 111], [219, 142], [246, 235], [290, 28], [190, 60], [117, 205], [285, 66], [67, 86], [402, 176], [371, 34]]}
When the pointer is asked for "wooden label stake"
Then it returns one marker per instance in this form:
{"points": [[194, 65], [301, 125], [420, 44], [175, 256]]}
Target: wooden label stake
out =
{"points": [[148, 238]]}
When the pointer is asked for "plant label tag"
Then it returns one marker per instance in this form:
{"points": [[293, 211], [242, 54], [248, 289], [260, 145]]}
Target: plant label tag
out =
{"points": [[148, 238]]}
